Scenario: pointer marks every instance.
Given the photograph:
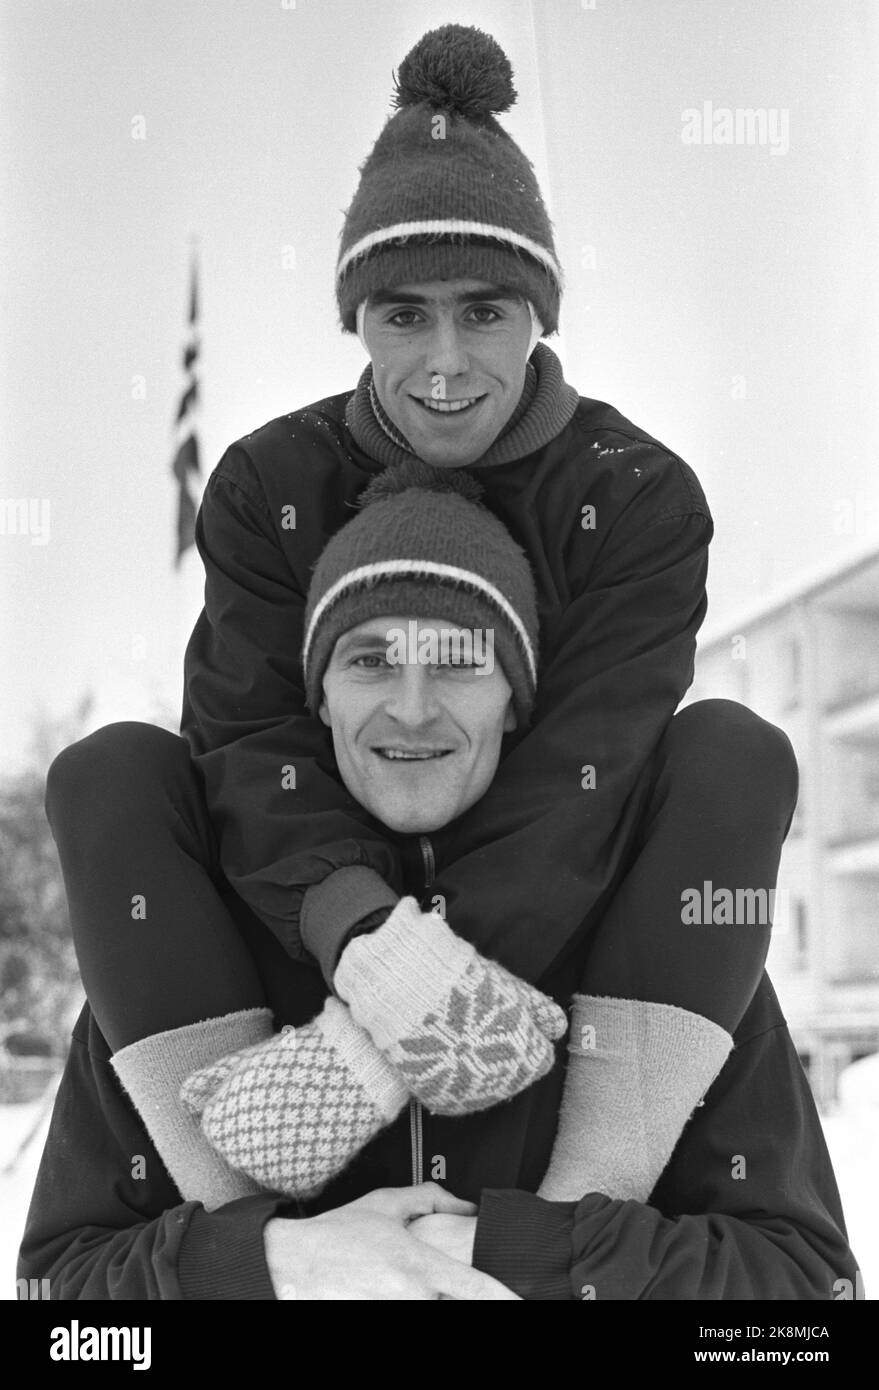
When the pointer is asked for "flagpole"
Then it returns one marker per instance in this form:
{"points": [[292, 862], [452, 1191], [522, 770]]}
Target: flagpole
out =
{"points": [[186, 468], [186, 457]]}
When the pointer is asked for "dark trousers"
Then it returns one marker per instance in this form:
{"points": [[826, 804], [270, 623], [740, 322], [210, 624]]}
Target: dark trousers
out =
{"points": [[156, 925]]}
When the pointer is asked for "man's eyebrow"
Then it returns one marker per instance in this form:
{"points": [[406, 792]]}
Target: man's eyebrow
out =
{"points": [[379, 297], [351, 641]]}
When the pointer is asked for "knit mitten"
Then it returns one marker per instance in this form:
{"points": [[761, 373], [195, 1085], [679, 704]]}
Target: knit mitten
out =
{"points": [[292, 1112], [636, 1072], [463, 1032]]}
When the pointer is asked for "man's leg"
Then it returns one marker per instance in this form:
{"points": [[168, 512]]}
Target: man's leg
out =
{"points": [[168, 977], [139, 860], [662, 993], [723, 799], [175, 990]]}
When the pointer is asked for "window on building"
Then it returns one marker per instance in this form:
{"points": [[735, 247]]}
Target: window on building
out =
{"points": [[791, 672], [801, 935]]}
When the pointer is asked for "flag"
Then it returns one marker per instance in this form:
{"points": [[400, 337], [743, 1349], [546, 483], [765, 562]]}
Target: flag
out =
{"points": [[186, 456]]}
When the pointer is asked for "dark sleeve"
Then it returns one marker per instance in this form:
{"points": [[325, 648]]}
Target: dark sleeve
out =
{"points": [[106, 1222], [748, 1207], [617, 664], [283, 818]]}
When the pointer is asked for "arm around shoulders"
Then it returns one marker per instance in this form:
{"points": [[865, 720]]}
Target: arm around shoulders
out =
{"points": [[748, 1207], [105, 1220]]}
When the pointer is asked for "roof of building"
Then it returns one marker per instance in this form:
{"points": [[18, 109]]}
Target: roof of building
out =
{"points": [[805, 584]]}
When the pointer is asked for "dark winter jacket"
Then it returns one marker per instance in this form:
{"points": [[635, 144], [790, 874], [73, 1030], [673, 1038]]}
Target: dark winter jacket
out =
{"points": [[616, 528], [747, 1208]]}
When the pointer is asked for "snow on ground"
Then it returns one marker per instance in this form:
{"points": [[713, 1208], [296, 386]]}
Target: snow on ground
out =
{"points": [[852, 1138], [16, 1123]]}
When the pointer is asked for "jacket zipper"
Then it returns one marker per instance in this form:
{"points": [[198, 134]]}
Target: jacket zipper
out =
{"points": [[428, 861], [416, 1117]]}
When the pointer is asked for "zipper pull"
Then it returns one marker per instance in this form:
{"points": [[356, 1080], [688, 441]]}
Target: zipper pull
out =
{"points": [[428, 860]]}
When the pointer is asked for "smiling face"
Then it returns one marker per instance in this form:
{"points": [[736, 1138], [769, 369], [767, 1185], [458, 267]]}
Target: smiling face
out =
{"points": [[416, 744], [448, 363]]}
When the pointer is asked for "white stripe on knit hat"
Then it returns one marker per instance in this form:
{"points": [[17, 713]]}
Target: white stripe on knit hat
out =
{"points": [[381, 568], [449, 226]]}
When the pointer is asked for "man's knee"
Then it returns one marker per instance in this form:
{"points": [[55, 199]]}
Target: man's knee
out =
{"points": [[115, 764], [729, 743]]}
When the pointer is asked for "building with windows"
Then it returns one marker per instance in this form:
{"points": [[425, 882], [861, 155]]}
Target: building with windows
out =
{"points": [[808, 660]]}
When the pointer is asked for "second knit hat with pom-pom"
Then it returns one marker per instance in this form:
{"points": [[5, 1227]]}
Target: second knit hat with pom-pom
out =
{"points": [[446, 193]]}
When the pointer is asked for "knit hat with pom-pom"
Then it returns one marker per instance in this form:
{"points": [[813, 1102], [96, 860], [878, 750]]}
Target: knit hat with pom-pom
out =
{"points": [[423, 545], [446, 193]]}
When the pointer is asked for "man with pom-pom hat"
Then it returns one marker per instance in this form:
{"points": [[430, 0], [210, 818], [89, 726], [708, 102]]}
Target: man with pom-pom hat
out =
{"points": [[448, 203], [604, 809]]}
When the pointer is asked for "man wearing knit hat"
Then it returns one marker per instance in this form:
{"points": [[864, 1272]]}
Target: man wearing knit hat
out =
{"points": [[448, 228], [417, 735], [568, 863]]}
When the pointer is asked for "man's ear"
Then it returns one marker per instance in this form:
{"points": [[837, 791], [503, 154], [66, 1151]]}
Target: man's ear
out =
{"points": [[323, 713], [510, 718]]}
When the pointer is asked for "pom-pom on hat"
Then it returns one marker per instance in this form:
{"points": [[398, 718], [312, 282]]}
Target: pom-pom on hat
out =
{"points": [[423, 545], [446, 193]]}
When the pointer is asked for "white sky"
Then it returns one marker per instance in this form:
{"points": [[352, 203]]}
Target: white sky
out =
{"points": [[722, 297]]}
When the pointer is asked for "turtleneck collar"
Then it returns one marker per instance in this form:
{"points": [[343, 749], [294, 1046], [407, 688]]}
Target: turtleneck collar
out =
{"points": [[544, 409]]}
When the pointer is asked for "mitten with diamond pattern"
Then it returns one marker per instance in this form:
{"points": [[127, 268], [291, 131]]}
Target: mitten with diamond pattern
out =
{"points": [[294, 1111]]}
